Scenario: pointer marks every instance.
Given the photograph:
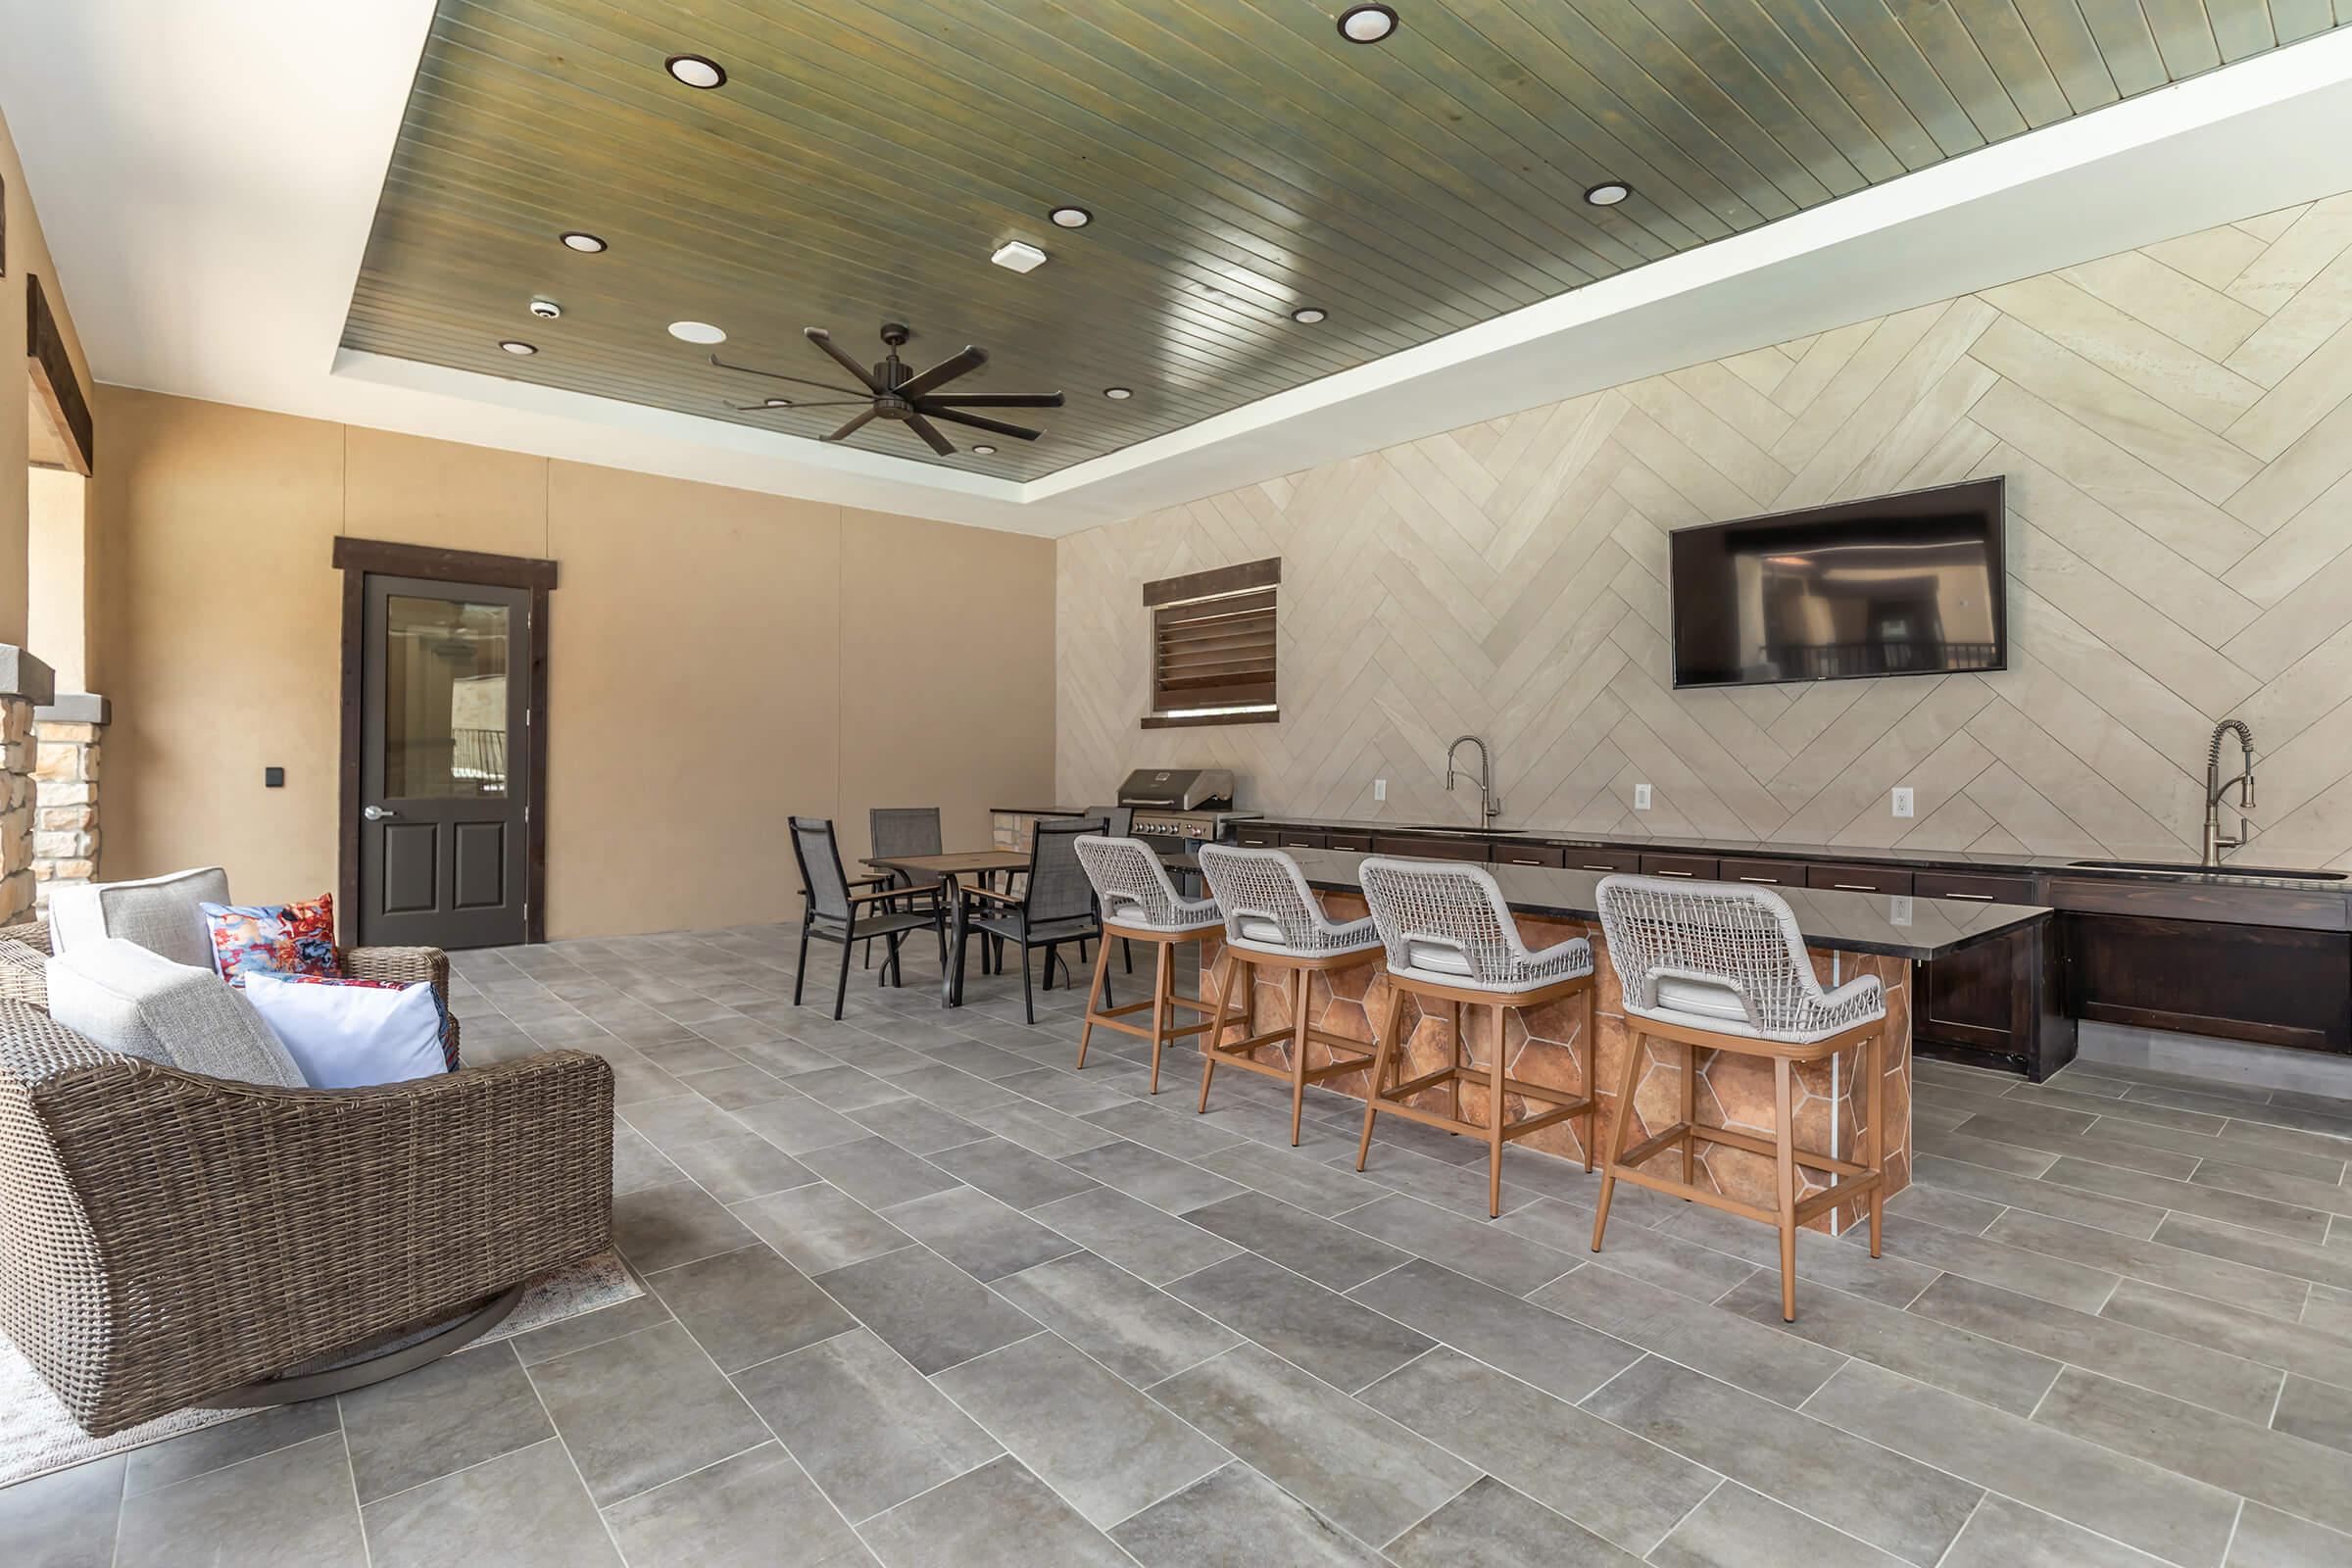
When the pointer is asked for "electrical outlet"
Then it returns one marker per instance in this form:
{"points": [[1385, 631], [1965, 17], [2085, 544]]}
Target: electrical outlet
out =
{"points": [[1380, 789], [1902, 800], [1641, 797]]}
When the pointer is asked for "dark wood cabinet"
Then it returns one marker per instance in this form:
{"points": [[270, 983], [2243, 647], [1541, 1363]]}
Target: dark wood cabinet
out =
{"points": [[1430, 848], [1973, 887], [1253, 837], [1302, 838], [1357, 843], [1701, 866], [2269, 985], [1508, 853], [1844, 878], [1762, 873], [1584, 859]]}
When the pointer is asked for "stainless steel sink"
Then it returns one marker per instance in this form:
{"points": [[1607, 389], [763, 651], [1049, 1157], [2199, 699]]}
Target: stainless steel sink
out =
{"points": [[2178, 868]]}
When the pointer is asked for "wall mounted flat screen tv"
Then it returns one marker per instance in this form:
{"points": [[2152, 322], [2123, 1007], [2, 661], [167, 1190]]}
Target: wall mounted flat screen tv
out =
{"points": [[1903, 585]]}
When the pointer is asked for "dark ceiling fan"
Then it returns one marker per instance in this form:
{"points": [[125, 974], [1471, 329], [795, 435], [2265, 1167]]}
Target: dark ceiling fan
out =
{"points": [[893, 392]]}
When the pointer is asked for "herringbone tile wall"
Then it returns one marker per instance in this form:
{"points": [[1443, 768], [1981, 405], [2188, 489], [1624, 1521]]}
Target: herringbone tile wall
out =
{"points": [[2176, 424]]}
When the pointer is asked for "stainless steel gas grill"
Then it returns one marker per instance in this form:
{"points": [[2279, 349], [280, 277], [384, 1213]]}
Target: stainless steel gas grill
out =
{"points": [[1179, 807]]}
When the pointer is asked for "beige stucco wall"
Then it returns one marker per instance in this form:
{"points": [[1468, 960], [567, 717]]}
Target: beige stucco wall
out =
{"points": [[27, 253], [719, 659]]}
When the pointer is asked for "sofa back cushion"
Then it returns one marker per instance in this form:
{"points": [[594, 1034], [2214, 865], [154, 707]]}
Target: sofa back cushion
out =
{"points": [[162, 914], [120, 996]]}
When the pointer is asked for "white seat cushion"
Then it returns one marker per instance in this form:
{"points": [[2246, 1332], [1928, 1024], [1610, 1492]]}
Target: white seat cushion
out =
{"points": [[1429, 957], [1700, 999], [1257, 928], [160, 914], [348, 1036], [117, 995]]}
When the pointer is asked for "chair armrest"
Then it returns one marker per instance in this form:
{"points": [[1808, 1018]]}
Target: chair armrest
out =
{"points": [[166, 1235], [990, 894], [23, 973], [34, 934], [875, 894]]}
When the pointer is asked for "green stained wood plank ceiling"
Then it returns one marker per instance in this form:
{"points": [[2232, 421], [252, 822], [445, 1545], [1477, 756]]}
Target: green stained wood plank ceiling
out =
{"points": [[1242, 160]]}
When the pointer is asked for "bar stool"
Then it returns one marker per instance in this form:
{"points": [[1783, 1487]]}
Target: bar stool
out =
{"points": [[1139, 904], [1451, 938], [1273, 921], [1724, 968]]}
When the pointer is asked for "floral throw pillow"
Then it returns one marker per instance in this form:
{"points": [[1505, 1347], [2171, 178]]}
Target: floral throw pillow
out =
{"points": [[280, 939], [449, 1044]]}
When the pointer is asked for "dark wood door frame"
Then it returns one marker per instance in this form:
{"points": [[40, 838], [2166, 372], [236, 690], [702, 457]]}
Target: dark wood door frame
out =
{"points": [[355, 559]]}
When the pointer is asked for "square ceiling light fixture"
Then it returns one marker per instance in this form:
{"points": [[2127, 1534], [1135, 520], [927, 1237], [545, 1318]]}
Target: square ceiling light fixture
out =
{"points": [[1019, 254]]}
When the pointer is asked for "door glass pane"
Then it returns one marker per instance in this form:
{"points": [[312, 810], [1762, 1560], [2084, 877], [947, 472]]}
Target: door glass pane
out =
{"points": [[445, 698]]}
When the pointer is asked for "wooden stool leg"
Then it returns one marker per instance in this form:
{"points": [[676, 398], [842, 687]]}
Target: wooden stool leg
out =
{"points": [[1874, 1059], [1163, 986], [1301, 991], [1591, 1074], [1783, 1104], [1494, 1074], [1690, 1113], [1384, 1053], [1454, 1027], [1625, 1112], [1230, 963], [1094, 999]]}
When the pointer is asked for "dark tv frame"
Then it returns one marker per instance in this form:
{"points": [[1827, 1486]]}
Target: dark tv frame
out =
{"points": [[1914, 503]]}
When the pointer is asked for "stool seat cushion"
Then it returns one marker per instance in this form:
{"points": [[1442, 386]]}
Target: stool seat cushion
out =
{"points": [[1187, 915], [1443, 964]]}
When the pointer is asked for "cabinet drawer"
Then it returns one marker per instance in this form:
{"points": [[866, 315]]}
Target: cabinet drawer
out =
{"points": [[1432, 849], [1530, 854], [1970, 888], [1703, 866], [1858, 878], [1359, 843], [1301, 838], [1766, 873], [1576, 860]]}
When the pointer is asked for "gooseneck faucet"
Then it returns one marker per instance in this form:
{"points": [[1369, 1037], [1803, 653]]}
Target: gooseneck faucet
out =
{"points": [[1488, 808], [2215, 784]]}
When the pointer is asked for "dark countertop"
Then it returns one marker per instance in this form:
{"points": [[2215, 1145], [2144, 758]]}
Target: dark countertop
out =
{"points": [[1853, 922], [1850, 853]]}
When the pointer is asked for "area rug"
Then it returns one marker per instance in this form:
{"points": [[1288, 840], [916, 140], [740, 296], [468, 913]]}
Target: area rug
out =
{"points": [[38, 1435]]}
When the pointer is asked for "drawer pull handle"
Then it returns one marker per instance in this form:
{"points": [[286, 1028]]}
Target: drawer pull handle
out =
{"points": [[1768, 881], [1516, 861], [1971, 897], [1678, 873], [1601, 868], [1854, 887]]}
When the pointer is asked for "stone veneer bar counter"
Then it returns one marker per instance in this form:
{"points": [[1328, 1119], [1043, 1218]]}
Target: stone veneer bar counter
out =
{"points": [[1847, 932]]}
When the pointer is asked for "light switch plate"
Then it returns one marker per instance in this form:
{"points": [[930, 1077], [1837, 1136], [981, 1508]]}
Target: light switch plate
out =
{"points": [[1380, 789], [1641, 797], [1902, 800]]}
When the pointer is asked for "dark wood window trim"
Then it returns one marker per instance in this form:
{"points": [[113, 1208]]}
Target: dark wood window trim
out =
{"points": [[355, 559], [1213, 647], [56, 390]]}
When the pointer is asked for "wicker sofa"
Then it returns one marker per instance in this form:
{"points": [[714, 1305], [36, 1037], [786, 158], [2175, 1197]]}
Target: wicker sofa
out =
{"points": [[169, 1239]]}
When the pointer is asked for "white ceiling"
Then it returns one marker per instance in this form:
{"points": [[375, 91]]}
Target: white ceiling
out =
{"points": [[206, 172]]}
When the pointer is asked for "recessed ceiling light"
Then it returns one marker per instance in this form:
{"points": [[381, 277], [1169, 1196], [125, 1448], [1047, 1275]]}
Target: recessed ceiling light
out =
{"points": [[984, 451], [587, 243], [1117, 394], [1368, 23], [517, 347], [696, 332], [1072, 216], [1307, 314], [1019, 254], [1608, 193], [697, 72]]}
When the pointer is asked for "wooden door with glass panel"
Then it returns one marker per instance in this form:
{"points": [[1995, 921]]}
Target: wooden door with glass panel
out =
{"points": [[446, 700]]}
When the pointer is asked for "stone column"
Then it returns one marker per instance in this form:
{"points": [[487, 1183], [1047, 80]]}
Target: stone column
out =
{"points": [[25, 684], [67, 733]]}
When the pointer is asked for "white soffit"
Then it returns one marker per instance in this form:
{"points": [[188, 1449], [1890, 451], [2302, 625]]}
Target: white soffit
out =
{"points": [[206, 173]]}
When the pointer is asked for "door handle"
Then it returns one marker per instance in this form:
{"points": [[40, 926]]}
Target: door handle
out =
{"points": [[376, 814]]}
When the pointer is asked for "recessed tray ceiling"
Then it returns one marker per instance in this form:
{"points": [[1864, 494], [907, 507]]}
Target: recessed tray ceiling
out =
{"points": [[1241, 161]]}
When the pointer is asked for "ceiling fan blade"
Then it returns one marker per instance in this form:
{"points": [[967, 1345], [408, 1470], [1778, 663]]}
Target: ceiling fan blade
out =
{"points": [[946, 370], [824, 340], [778, 375], [998, 399], [795, 407], [999, 426], [850, 429], [930, 434]]}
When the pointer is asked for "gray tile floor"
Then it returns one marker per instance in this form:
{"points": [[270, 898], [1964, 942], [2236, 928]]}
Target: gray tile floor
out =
{"points": [[921, 1295]]}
